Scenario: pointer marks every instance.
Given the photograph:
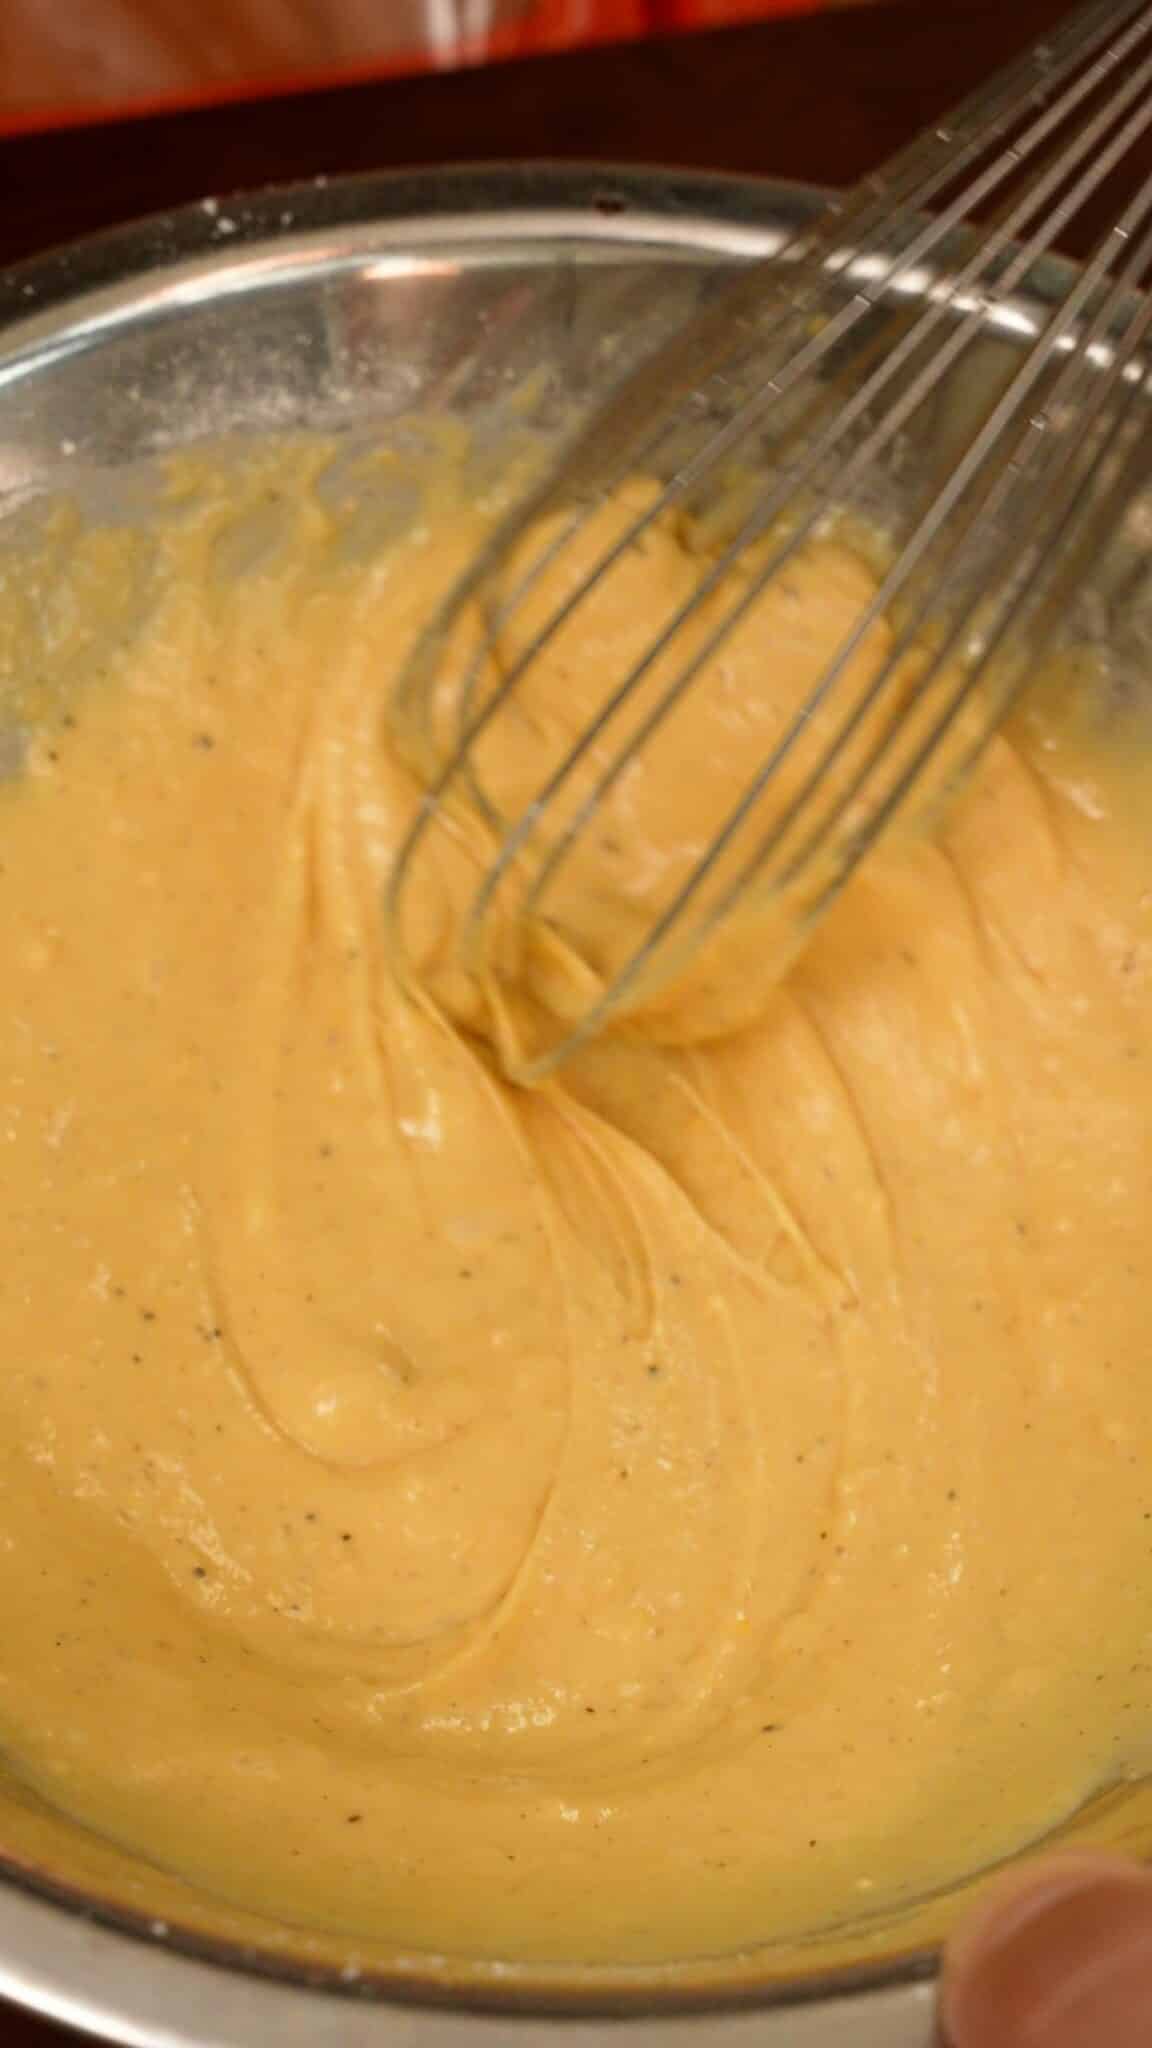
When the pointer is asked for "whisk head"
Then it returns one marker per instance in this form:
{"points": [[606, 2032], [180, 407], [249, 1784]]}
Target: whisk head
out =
{"points": [[811, 391]]}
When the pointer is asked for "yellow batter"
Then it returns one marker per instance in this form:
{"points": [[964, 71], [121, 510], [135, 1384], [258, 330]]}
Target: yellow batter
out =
{"points": [[705, 1498]]}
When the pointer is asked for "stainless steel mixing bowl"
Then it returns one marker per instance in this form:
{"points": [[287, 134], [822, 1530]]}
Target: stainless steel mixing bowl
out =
{"points": [[509, 296]]}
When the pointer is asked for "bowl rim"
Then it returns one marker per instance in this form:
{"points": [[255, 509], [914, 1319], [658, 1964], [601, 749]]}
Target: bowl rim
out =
{"points": [[615, 200], [716, 213]]}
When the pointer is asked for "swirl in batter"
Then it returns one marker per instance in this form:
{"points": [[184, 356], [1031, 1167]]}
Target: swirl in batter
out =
{"points": [[693, 1501]]}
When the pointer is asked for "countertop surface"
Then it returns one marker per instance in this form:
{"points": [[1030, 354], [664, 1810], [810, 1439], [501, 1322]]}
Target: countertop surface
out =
{"points": [[823, 97]]}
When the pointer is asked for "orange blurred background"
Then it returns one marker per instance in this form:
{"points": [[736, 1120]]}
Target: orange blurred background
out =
{"points": [[65, 61]]}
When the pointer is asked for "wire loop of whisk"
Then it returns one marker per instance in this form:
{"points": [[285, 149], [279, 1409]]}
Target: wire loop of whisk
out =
{"points": [[819, 370]]}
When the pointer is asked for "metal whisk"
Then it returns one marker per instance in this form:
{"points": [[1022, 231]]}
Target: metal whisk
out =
{"points": [[798, 382]]}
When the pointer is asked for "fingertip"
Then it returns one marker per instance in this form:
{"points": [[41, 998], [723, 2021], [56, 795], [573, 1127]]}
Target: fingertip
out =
{"points": [[1058, 1954]]}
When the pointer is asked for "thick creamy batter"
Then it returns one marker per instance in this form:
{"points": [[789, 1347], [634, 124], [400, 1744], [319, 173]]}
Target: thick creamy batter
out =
{"points": [[704, 1498]]}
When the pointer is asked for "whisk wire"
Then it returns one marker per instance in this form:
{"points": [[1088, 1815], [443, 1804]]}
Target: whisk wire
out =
{"points": [[910, 182], [1025, 591], [1053, 493], [778, 377], [791, 479]]}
